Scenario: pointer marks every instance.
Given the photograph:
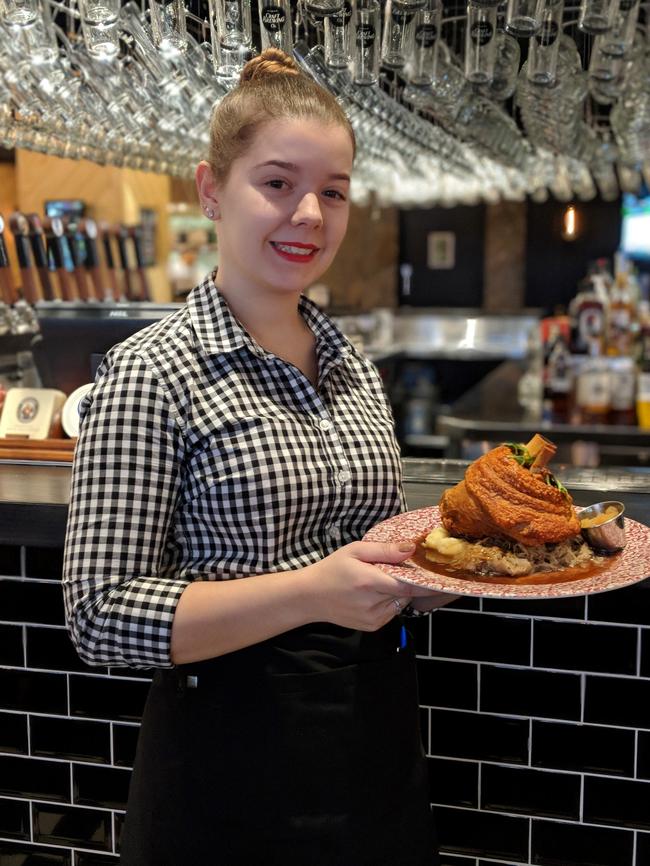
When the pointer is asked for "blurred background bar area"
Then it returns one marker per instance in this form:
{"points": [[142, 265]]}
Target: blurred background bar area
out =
{"points": [[496, 270]]}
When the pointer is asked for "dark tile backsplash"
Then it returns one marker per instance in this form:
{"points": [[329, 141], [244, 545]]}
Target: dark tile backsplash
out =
{"points": [[448, 684], [24, 777], [100, 786], [482, 638], [14, 819], [51, 648], [558, 844], [584, 748], [479, 736], [645, 652], [533, 717], [13, 733], [643, 756], [85, 859], [31, 601], [44, 562], [642, 849], [613, 701], [122, 700], [530, 792], [631, 605], [17, 854], [9, 561], [569, 608], [11, 645], [71, 738], [585, 647], [617, 802], [125, 740], [483, 834], [33, 692], [530, 693], [65, 825], [453, 783]]}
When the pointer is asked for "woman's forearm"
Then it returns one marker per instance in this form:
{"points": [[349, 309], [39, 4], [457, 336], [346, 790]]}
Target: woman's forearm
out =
{"points": [[217, 617]]}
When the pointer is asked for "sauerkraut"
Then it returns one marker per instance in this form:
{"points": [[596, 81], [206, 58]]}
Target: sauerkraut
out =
{"points": [[506, 557]]}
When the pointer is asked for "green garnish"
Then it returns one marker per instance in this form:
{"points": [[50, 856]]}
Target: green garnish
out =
{"points": [[523, 458], [552, 481], [520, 454]]}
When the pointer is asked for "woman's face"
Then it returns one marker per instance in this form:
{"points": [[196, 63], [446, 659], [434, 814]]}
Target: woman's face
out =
{"points": [[283, 210]]}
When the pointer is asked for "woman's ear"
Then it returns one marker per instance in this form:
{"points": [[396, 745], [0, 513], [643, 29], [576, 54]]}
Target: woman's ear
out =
{"points": [[207, 190]]}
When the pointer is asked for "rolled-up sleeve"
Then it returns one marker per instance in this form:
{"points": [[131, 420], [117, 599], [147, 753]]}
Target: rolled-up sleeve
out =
{"points": [[125, 483]]}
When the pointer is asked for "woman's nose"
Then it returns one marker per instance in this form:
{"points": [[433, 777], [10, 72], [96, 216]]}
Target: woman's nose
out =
{"points": [[308, 211]]}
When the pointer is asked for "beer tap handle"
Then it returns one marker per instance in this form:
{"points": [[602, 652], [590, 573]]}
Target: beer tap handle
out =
{"points": [[121, 233], [93, 266], [71, 228], [37, 239], [136, 235], [20, 229], [9, 294], [105, 233], [55, 245]]}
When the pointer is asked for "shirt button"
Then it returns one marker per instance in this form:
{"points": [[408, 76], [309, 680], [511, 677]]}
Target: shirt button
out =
{"points": [[325, 424], [334, 531], [344, 475]]}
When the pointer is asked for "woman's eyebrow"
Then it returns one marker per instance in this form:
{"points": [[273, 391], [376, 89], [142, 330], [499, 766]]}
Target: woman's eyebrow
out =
{"points": [[291, 166]]}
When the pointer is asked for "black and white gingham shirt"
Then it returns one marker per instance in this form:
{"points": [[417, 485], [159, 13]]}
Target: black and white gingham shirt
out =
{"points": [[203, 457]]}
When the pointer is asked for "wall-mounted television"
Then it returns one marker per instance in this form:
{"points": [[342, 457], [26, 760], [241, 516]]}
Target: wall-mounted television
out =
{"points": [[635, 226]]}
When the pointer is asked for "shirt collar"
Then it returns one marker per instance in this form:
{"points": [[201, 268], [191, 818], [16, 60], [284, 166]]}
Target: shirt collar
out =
{"points": [[219, 332]]}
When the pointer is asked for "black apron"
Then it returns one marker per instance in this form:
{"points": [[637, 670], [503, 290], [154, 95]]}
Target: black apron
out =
{"points": [[303, 750]]}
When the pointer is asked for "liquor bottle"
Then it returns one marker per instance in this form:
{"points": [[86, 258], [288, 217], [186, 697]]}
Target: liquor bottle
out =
{"points": [[558, 375], [593, 388], [621, 317], [623, 386], [643, 379], [588, 312]]}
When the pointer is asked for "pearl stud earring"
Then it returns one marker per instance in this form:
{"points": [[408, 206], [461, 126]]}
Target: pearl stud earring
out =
{"points": [[209, 212]]}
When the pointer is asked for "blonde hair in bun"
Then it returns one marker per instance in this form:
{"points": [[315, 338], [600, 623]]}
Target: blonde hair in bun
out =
{"points": [[271, 61], [271, 87]]}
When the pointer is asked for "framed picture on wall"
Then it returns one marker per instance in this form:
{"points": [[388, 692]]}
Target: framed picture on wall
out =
{"points": [[441, 250]]}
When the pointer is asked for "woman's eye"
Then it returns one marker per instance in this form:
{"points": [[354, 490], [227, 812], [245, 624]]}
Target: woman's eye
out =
{"points": [[334, 193], [276, 183]]}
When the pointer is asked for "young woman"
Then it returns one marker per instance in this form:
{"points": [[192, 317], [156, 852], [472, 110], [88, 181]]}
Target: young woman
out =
{"points": [[244, 437]]}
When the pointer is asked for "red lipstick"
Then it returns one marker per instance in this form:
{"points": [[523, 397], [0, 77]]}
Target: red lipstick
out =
{"points": [[295, 257]]}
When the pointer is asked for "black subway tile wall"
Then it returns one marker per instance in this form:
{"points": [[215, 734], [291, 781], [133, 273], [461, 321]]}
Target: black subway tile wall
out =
{"points": [[535, 718]]}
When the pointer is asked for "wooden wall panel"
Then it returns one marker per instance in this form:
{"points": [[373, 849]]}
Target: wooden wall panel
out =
{"points": [[8, 201]]}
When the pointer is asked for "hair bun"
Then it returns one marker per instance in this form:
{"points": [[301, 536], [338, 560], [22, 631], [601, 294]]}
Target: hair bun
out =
{"points": [[272, 61]]}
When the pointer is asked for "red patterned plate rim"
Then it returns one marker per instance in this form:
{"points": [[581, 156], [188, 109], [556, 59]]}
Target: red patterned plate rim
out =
{"points": [[629, 566]]}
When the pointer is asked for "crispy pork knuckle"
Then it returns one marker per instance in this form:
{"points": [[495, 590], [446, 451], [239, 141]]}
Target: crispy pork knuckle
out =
{"points": [[500, 498]]}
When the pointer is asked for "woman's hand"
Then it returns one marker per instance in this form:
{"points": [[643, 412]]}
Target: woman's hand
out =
{"points": [[347, 589]]}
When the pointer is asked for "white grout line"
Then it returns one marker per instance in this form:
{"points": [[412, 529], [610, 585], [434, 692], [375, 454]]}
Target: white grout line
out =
{"points": [[581, 808], [639, 644], [546, 670], [636, 755]]}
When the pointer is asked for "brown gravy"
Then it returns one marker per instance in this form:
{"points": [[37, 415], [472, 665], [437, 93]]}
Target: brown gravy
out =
{"points": [[578, 572]]}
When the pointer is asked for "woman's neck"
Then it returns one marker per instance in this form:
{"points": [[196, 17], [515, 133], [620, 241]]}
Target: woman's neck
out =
{"points": [[269, 318]]}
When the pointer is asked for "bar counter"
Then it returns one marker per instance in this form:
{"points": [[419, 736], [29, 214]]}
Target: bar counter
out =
{"points": [[490, 411], [535, 714]]}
